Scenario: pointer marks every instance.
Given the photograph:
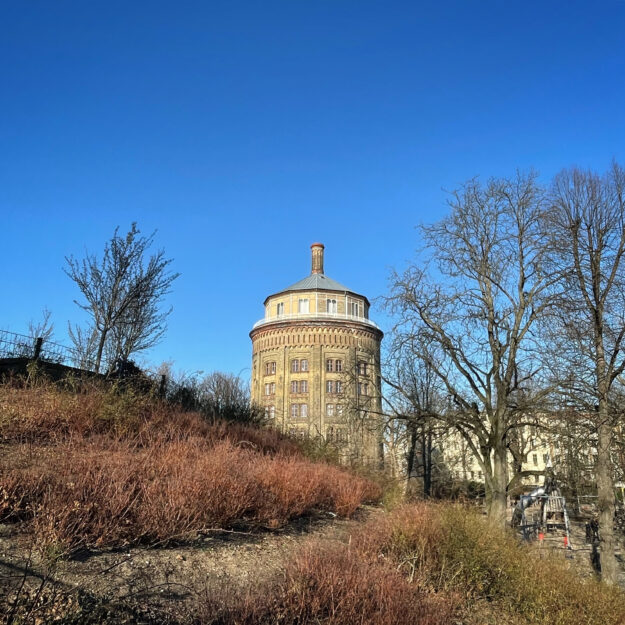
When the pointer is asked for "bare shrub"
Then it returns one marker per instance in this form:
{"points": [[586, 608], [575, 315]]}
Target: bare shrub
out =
{"points": [[99, 492], [329, 583]]}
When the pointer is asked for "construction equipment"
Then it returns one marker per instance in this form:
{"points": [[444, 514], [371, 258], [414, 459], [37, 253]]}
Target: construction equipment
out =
{"points": [[543, 511]]}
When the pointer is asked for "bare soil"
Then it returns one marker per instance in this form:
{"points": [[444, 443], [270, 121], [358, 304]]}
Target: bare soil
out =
{"points": [[148, 584]]}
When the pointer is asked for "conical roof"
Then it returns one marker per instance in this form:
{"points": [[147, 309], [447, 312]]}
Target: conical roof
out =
{"points": [[317, 280]]}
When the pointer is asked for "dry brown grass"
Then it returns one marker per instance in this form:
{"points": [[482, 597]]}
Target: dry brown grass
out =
{"points": [[86, 473], [48, 413], [423, 564], [331, 584]]}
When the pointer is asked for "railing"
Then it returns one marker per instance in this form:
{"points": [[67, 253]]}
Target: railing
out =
{"points": [[320, 316], [13, 345]]}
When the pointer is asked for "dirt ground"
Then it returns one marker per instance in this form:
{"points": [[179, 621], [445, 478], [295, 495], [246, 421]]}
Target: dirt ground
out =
{"points": [[149, 584]]}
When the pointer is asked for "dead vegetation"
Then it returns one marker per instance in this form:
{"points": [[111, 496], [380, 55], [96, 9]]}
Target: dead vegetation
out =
{"points": [[98, 469], [103, 469]]}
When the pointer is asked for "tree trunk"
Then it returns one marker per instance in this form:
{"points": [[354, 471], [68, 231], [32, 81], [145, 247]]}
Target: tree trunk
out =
{"points": [[411, 486], [427, 463], [605, 492], [98, 359], [498, 500]]}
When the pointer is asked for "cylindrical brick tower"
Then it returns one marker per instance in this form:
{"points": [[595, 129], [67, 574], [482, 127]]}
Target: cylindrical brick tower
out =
{"points": [[316, 364]]}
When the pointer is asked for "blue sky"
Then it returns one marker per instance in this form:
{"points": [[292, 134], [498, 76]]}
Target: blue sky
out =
{"points": [[244, 131]]}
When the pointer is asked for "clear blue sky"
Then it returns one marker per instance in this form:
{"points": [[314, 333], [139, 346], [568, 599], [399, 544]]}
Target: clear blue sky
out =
{"points": [[244, 131]]}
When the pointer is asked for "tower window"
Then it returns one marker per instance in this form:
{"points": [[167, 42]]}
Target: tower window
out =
{"points": [[299, 386], [329, 365], [280, 309], [339, 386], [303, 364], [294, 366], [331, 306], [329, 410], [299, 410], [302, 306], [362, 367], [270, 412], [270, 368], [338, 365], [330, 386], [270, 388], [354, 309]]}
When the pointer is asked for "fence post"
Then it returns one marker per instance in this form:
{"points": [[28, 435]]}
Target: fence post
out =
{"points": [[38, 345]]}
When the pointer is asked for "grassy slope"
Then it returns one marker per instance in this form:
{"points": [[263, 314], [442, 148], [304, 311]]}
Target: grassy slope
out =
{"points": [[100, 468]]}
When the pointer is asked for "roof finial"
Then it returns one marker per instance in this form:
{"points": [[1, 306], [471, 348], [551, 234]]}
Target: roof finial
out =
{"points": [[317, 257]]}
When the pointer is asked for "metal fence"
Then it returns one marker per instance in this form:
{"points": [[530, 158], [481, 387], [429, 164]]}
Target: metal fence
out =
{"points": [[13, 345]]}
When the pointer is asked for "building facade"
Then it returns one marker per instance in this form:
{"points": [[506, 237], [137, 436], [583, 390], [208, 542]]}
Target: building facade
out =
{"points": [[316, 364]]}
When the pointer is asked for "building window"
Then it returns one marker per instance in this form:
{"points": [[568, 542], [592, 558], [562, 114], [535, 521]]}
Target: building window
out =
{"points": [[270, 412], [336, 435], [362, 368], [299, 365], [280, 309], [339, 386], [302, 306], [270, 388], [270, 368], [331, 306], [330, 386], [329, 410], [535, 459], [354, 309], [339, 410], [299, 410], [338, 366], [545, 458], [299, 386], [329, 365]]}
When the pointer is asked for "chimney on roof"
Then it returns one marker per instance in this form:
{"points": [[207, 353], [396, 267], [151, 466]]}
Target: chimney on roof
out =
{"points": [[317, 257]]}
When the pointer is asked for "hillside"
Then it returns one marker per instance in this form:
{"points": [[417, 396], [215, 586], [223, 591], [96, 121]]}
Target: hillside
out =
{"points": [[116, 507]]}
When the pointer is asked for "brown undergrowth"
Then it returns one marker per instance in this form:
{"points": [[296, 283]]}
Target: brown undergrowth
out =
{"points": [[102, 468], [422, 564]]}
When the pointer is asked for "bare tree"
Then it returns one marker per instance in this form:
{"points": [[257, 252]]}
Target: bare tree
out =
{"points": [[589, 227], [413, 401], [123, 293], [44, 328], [476, 302]]}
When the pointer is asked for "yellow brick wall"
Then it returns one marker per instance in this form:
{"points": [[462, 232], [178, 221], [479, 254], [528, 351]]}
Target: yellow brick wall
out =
{"points": [[316, 341]]}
